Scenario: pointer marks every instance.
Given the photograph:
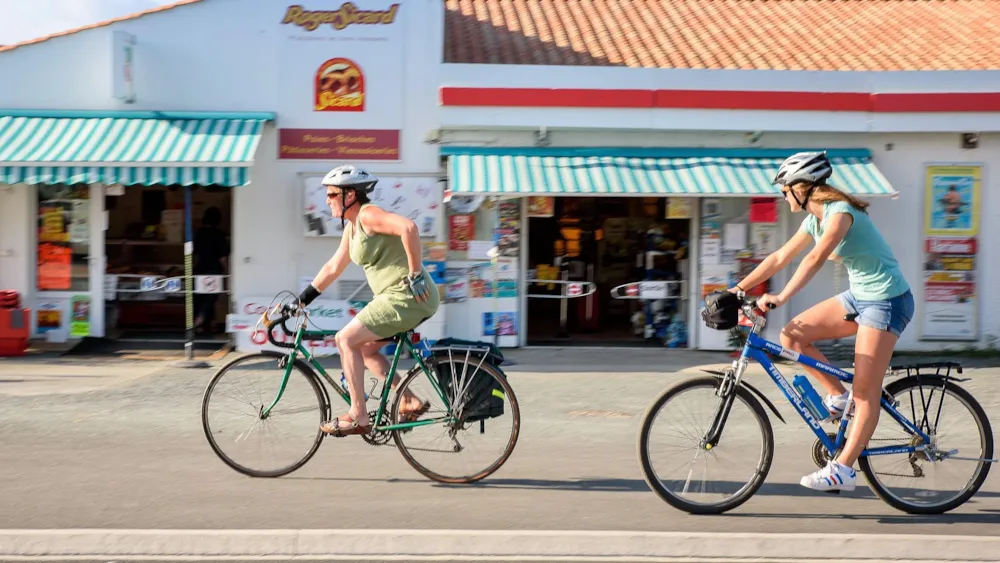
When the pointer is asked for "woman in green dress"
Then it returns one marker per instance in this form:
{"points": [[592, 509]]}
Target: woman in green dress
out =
{"points": [[387, 247]]}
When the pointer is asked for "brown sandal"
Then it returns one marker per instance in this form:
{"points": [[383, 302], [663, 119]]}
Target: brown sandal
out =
{"points": [[333, 427], [411, 415]]}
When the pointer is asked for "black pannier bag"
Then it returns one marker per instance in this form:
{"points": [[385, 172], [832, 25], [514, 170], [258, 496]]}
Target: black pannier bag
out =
{"points": [[484, 392]]}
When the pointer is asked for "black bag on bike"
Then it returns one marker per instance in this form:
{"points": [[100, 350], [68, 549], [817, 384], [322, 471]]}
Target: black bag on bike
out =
{"points": [[722, 310], [484, 392]]}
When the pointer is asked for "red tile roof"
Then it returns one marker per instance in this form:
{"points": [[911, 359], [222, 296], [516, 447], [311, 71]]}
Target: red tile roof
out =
{"points": [[727, 34], [99, 24]]}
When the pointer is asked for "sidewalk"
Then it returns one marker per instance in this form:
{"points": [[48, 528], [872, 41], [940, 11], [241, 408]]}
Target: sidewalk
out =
{"points": [[493, 545]]}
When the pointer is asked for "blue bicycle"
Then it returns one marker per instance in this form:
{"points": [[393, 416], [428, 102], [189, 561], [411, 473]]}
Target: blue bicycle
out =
{"points": [[907, 463]]}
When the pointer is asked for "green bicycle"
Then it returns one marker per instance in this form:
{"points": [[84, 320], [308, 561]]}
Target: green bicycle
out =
{"points": [[460, 380]]}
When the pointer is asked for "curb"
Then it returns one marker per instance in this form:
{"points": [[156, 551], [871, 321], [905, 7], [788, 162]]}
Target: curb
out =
{"points": [[525, 545]]}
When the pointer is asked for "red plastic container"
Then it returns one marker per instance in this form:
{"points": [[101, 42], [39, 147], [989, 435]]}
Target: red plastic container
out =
{"points": [[10, 299], [15, 327]]}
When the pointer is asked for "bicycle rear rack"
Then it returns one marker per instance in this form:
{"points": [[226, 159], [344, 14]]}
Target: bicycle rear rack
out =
{"points": [[940, 369]]}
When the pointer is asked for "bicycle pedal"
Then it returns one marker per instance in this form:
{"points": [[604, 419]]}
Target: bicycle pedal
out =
{"points": [[833, 492]]}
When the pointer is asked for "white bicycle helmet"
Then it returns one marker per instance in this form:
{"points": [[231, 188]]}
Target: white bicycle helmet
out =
{"points": [[810, 167], [351, 177]]}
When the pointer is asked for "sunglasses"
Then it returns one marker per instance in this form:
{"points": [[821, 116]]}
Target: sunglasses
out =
{"points": [[331, 195]]}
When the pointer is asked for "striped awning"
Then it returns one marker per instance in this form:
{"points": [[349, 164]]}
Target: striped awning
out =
{"points": [[128, 150], [623, 172]]}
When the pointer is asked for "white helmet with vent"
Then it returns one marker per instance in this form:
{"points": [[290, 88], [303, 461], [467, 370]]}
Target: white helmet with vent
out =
{"points": [[351, 177], [810, 167]]}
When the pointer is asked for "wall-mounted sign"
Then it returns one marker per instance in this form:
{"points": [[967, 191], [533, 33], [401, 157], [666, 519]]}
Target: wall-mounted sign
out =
{"points": [[338, 144], [340, 86], [346, 15]]}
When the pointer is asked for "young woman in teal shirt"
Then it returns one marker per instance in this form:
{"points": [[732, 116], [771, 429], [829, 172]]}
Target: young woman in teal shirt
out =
{"points": [[839, 226]]}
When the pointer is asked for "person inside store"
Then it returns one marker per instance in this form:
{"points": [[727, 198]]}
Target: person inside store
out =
{"points": [[876, 308], [211, 257], [387, 247]]}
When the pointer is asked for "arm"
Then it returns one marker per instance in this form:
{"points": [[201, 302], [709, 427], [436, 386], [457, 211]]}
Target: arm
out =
{"points": [[333, 267], [835, 231], [776, 261], [379, 221]]}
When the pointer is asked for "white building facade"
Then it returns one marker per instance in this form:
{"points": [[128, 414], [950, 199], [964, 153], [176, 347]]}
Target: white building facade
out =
{"points": [[254, 100]]}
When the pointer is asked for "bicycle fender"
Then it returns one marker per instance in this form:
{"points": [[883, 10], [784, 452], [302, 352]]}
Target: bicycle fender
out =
{"points": [[763, 398], [753, 390]]}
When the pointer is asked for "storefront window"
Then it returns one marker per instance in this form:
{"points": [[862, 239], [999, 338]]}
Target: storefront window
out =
{"points": [[63, 238]]}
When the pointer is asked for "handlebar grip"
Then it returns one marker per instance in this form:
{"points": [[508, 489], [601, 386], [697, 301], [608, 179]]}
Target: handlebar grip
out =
{"points": [[270, 332]]}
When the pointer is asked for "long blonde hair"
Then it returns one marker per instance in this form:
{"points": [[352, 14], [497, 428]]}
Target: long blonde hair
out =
{"points": [[825, 194]]}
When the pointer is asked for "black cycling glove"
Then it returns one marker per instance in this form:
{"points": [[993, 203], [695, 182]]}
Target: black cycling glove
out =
{"points": [[308, 295]]}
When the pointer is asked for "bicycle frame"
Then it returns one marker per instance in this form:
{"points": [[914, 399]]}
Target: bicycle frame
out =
{"points": [[757, 348], [401, 342]]}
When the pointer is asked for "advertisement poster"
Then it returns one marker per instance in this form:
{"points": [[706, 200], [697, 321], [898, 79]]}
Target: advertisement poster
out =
{"points": [[505, 324], [951, 230], [55, 266], [417, 198], [507, 237], [461, 229], [324, 314], [763, 210], [48, 316], [79, 325], [680, 207], [541, 206], [951, 206]]}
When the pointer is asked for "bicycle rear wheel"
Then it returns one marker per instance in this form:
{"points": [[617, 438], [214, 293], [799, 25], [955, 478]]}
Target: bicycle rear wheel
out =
{"points": [[470, 440], [686, 412], [920, 483], [282, 442]]}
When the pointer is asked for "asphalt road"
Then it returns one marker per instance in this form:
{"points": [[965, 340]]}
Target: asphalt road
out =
{"points": [[132, 455]]}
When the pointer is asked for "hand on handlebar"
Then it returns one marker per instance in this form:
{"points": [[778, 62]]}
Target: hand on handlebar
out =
{"points": [[768, 301]]}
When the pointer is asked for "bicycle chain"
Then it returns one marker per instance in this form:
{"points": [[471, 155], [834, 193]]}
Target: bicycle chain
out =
{"points": [[378, 437]]}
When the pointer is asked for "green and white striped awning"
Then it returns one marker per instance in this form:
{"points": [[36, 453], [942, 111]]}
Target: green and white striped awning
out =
{"points": [[128, 150], [638, 172]]}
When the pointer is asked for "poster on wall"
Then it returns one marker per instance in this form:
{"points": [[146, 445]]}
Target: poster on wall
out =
{"points": [[680, 207], [507, 236], [541, 206], [324, 314], [951, 231], [79, 324], [461, 229], [342, 63], [501, 324], [414, 197]]}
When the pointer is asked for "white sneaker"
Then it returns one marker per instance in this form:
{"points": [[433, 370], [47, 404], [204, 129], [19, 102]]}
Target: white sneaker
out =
{"points": [[836, 404], [833, 477]]}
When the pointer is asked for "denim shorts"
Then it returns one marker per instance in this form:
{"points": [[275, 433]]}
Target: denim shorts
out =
{"points": [[890, 315]]}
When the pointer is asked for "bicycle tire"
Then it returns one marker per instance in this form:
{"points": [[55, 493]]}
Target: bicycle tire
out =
{"points": [[511, 400], [744, 494], [321, 397], [985, 433]]}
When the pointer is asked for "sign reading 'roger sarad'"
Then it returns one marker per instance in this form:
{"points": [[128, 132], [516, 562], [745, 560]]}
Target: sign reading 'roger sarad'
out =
{"points": [[348, 14]]}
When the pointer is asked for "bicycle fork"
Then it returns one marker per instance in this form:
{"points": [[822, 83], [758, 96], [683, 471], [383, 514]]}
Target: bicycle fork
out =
{"points": [[727, 392]]}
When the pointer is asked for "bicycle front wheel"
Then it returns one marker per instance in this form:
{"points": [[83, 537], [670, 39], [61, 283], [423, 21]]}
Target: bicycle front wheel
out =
{"points": [[272, 446], [953, 469], [682, 469], [474, 434]]}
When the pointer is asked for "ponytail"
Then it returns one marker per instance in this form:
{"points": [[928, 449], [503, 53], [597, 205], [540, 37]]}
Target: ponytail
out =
{"points": [[823, 193]]}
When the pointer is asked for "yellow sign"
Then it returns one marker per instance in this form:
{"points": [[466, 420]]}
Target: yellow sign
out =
{"points": [[347, 15]]}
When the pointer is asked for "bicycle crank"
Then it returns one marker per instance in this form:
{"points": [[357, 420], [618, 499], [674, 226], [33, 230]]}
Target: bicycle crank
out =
{"points": [[378, 437], [821, 457]]}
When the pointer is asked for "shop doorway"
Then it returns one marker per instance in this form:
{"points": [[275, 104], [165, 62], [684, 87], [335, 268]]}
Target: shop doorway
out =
{"points": [[145, 296], [610, 242]]}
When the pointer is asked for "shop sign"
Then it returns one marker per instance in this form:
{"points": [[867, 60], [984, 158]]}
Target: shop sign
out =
{"points": [[251, 336], [339, 86], [338, 144], [343, 17], [943, 245]]}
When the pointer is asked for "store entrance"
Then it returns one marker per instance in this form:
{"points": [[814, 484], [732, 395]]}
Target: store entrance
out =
{"points": [[608, 241], [145, 297]]}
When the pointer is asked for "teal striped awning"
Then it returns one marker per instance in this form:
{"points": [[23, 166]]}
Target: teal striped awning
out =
{"points": [[638, 172], [128, 150]]}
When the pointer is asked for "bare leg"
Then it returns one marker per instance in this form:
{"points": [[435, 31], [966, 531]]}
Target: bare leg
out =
{"points": [[379, 365], [823, 321], [872, 354], [350, 342]]}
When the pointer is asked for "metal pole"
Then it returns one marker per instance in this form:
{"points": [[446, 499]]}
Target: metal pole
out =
{"points": [[189, 361]]}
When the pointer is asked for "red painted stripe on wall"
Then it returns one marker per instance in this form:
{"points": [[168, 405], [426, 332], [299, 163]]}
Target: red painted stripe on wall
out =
{"points": [[721, 99], [547, 97]]}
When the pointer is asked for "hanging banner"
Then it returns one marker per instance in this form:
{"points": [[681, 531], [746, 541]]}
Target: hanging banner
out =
{"points": [[951, 230], [79, 325]]}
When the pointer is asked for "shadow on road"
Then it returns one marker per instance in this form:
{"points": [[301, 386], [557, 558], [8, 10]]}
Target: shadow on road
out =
{"points": [[982, 517]]}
